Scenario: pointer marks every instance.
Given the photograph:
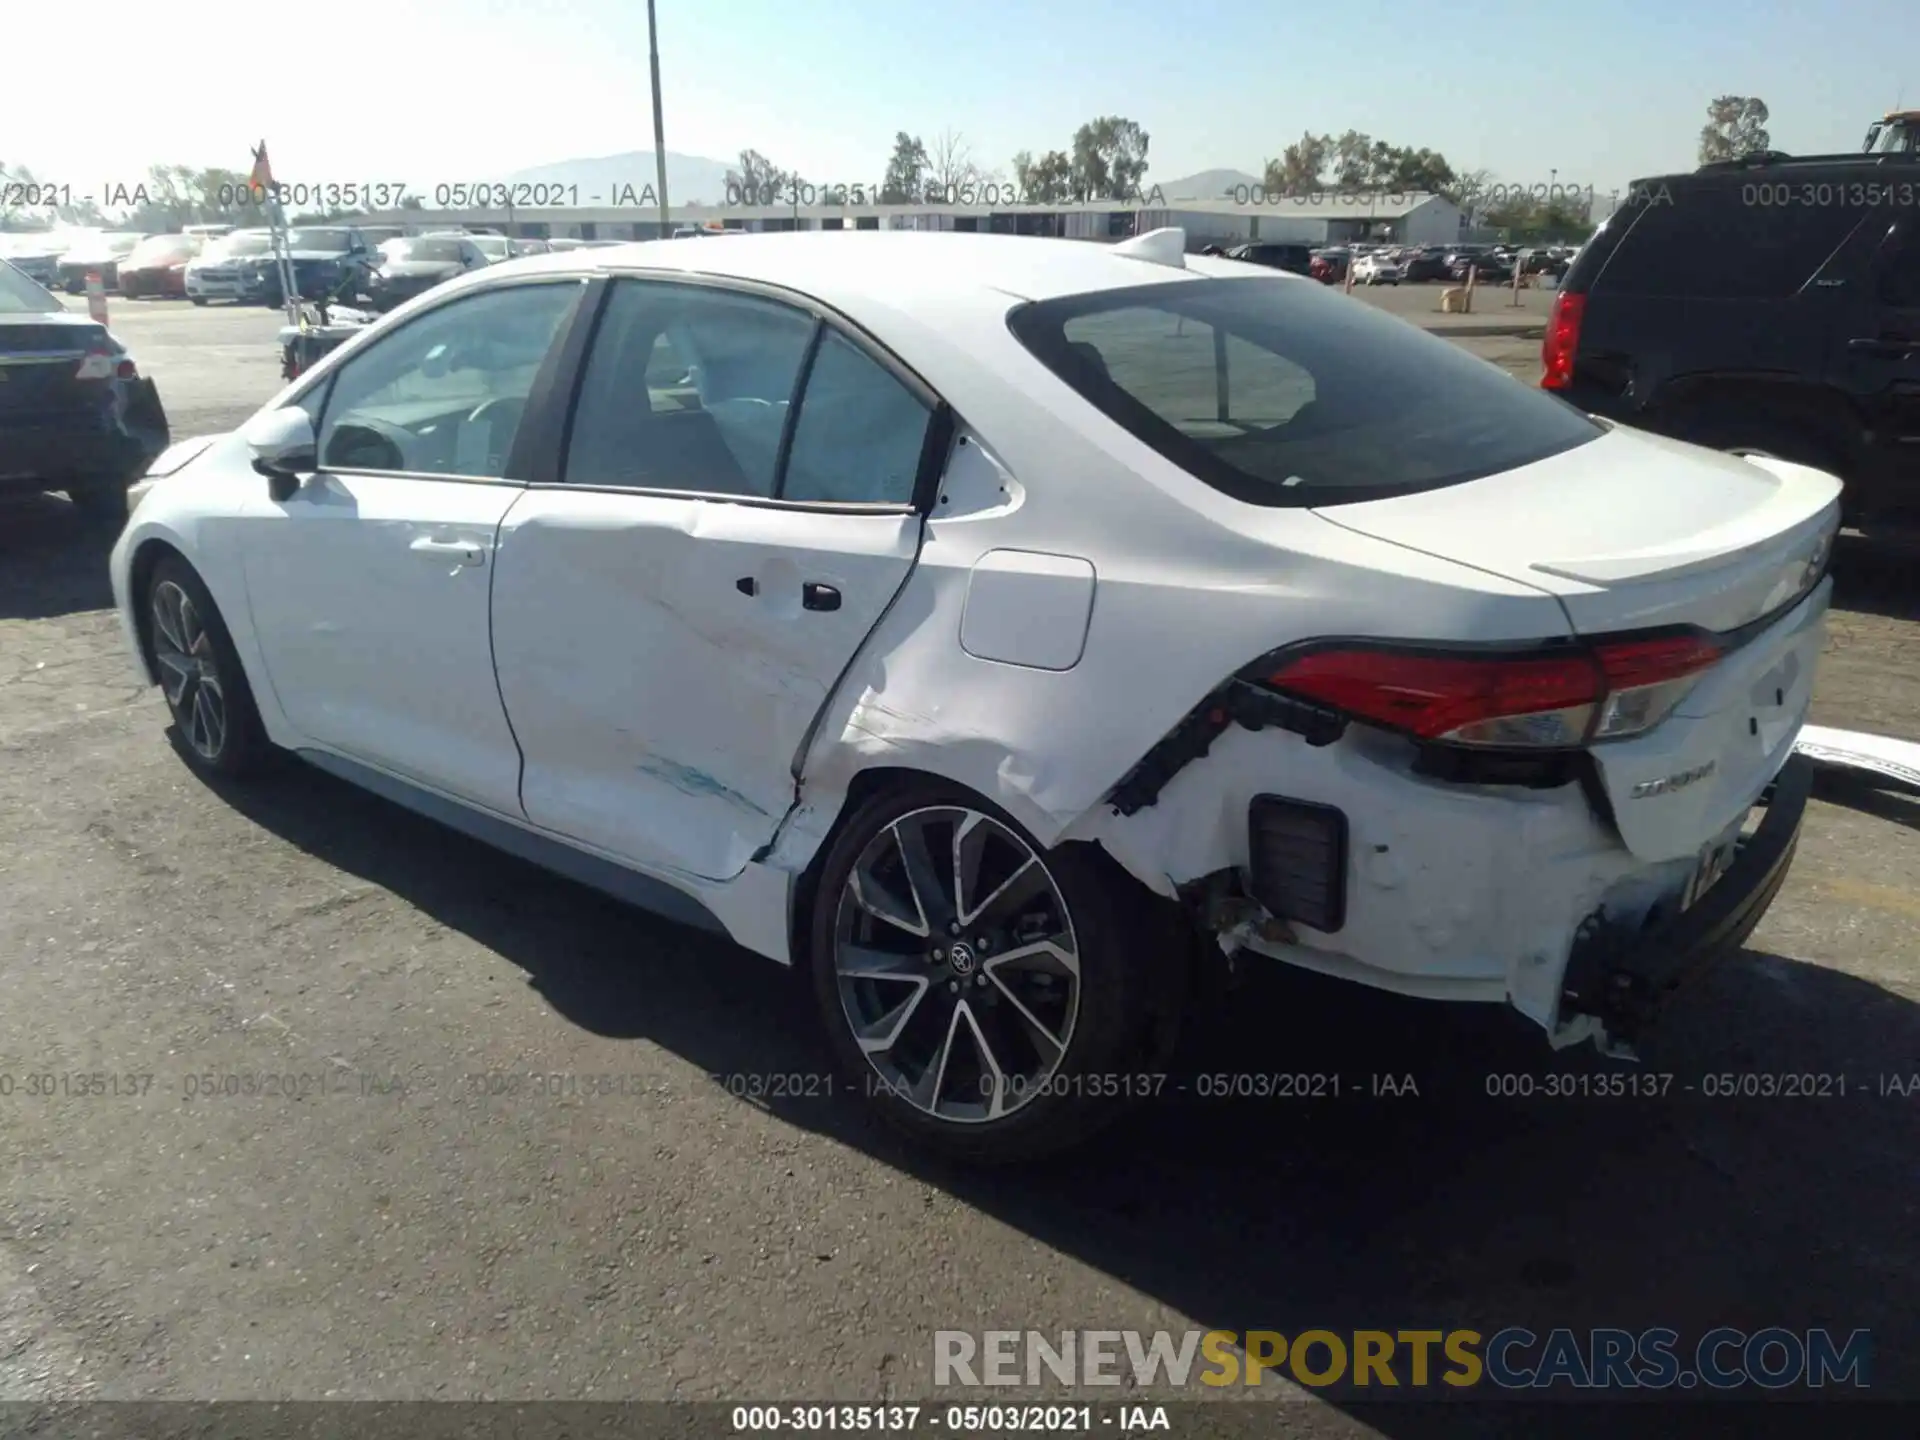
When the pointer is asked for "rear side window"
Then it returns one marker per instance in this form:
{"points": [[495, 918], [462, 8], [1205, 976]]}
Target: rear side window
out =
{"points": [[1755, 240], [859, 433], [1897, 269], [1279, 393]]}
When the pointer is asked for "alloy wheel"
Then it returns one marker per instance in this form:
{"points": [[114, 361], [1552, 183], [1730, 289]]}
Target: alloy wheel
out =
{"points": [[957, 964], [189, 676]]}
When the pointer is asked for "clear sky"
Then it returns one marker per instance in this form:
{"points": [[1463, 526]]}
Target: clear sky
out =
{"points": [[448, 90]]}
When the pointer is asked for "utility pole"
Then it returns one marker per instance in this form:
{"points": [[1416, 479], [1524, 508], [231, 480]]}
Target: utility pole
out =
{"points": [[659, 126]]}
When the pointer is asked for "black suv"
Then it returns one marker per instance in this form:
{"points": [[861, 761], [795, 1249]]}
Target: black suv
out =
{"points": [[1297, 258], [1770, 306]]}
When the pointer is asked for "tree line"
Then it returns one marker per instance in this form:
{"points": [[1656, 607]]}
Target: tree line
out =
{"points": [[1106, 159]]}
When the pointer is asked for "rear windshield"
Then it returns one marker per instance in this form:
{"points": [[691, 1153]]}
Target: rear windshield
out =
{"points": [[1282, 392], [21, 296]]}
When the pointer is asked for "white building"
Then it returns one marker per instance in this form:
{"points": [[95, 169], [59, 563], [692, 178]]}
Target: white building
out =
{"points": [[1330, 218]]}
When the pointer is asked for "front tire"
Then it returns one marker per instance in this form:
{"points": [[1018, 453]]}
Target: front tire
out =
{"points": [[215, 719], [995, 1002]]}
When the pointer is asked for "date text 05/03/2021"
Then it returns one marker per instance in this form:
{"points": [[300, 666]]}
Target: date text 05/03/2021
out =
{"points": [[1043, 1419]]}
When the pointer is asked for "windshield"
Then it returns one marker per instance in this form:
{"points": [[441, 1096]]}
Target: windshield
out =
{"points": [[493, 247], [1893, 137], [434, 251], [20, 296], [324, 240], [1285, 394]]}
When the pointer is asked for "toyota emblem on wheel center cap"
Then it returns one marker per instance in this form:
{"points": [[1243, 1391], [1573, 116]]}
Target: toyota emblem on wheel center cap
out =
{"points": [[961, 958]]}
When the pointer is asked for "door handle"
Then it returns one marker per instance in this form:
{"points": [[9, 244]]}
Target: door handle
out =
{"points": [[747, 585], [1888, 347], [458, 551], [815, 596]]}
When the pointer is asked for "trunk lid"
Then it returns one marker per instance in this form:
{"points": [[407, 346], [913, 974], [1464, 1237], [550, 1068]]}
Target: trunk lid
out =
{"points": [[1629, 532], [40, 357], [1634, 532]]}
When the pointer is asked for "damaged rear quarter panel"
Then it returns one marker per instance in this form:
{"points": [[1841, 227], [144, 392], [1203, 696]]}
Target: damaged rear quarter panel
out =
{"points": [[1191, 586]]}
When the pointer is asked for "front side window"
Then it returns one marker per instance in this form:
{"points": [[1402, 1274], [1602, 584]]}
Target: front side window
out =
{"points": [[445, 393], [687, 388], [1279, 393]]}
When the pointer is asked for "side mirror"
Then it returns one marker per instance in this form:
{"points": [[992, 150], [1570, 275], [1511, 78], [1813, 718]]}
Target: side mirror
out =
{"points": [[283, 446]]}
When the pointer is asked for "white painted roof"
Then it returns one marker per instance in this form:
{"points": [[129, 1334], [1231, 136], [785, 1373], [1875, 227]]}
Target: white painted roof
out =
{"points": [[891, 267]]}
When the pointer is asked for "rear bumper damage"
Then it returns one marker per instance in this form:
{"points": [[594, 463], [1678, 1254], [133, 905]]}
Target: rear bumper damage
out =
{"points": [[1372, 872], [1621, 971]]}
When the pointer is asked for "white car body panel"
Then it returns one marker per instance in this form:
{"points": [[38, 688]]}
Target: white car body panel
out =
{"points": [[1641, 530], [685, 731], [368, 595], [662, 710]]}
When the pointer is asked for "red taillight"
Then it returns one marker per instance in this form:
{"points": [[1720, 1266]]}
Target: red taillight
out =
{"points": [[1550, 700], [1432, 696], [1628, 664], [1562, 341]]}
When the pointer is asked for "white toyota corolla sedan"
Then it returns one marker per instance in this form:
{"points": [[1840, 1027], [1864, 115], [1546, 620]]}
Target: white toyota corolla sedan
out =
{"points": [[1004, 629]]}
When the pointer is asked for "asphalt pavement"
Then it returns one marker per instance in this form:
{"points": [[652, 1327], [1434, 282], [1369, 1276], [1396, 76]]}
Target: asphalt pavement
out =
{"points": [[345, 1106]]}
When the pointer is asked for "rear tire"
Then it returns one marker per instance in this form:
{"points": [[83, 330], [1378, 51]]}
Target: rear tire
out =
{"points": [[1003, 1024], [215, 720]]}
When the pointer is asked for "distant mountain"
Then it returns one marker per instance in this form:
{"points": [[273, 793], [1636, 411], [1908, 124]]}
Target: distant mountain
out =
{"points": [[1207, 185], [621, 179]]}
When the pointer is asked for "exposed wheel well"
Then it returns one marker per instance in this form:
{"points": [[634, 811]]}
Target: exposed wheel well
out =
{"points": [[1180, 981], [150, 554], [867, 784]]}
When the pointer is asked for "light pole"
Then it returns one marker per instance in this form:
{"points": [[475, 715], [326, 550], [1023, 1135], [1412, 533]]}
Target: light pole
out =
{"points": [[659, 126]]}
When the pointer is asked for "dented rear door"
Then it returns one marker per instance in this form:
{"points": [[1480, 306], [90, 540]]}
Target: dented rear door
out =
{"points": [[662, 660]]}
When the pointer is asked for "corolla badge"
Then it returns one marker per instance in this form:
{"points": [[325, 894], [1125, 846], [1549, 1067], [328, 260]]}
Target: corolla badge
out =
{"points": [[1670, 783]]}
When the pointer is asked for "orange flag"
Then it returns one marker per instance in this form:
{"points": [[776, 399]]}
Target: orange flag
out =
{"points": [[262, 176]]}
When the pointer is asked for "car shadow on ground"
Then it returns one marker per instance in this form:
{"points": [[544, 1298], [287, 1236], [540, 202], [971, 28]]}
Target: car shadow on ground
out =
{"points": [[1445, 1185], [1878, 575], [1882, 798], [51, 562]]}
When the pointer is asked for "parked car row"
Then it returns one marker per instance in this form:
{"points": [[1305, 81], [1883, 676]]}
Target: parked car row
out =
{"points": [[1386, 264]]}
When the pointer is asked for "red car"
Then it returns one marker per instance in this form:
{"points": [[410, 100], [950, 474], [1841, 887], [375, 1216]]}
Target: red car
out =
{"points": [[1329, 267], [158, 266]]}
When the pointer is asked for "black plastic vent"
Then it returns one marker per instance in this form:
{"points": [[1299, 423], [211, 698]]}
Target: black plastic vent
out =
{"points": [[1297, 860]]}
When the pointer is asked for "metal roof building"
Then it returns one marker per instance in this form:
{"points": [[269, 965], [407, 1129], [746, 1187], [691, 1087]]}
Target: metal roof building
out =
{"points": [[1323, 218]]}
